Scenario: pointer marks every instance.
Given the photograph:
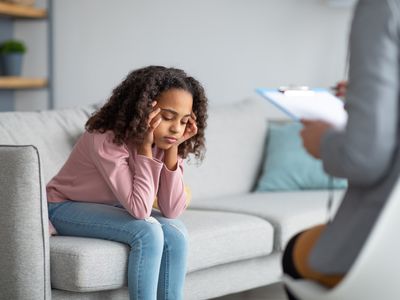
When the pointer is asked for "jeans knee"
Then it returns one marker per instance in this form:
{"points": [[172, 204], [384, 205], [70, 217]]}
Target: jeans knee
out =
{"points": [[147, 234], [175, 235]]}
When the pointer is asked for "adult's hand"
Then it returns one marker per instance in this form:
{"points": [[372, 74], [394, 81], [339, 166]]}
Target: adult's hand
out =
{"points": [[341, 89], [311, 135]]}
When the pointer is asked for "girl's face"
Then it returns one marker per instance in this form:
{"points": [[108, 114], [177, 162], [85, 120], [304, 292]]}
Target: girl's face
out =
{"points": [[176, 108]]}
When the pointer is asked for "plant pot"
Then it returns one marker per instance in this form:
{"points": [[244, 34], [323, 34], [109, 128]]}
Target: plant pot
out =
{"points": [[12, 64]]}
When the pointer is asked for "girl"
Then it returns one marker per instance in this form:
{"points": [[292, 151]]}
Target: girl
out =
{"points": [[131, 154]]}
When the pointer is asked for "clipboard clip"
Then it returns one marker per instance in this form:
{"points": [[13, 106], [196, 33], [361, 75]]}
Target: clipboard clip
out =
{"points": [[296, 90]]}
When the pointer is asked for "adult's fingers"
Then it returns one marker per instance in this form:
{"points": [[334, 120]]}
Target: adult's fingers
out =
{"points": [[306, 122]]}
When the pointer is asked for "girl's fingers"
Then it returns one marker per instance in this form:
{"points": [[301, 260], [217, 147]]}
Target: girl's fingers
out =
{"points": [[157, 123], [154, 123], [192, 128], [192, 119], [193, 123], [193, 116], [153, 103], [153, 114]]}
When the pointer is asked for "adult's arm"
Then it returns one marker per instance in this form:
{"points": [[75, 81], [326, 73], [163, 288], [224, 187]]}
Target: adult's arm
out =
{"points": [[363, 151]]}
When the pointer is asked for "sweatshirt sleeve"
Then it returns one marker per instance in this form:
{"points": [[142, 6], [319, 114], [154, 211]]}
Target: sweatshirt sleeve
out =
{"points": [[171, 194], [133, 180], [363, 151]]}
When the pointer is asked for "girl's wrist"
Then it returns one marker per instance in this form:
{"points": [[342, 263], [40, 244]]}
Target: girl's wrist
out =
{"points": [[173, 148], [145, 150], [171, 157]]}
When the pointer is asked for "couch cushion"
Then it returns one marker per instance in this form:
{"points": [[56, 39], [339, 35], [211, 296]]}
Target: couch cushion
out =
{"points": [[288, 212], [235, 138], [53, 132], [288, 166], [85, 264], [215, 238]]}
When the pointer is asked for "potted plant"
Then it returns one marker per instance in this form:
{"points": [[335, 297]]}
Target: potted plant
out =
{"points": [[11, 54]]}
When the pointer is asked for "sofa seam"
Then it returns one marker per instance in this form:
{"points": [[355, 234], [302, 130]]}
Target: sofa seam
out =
{"points": [[42, 216], [71, 254], [91, 288]]}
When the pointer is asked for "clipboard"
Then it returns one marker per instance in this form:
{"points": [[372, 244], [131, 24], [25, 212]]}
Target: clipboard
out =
{"points": [[315, 104]]}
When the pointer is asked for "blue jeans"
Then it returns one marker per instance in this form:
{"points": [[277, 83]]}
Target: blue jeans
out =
{"points": [[158, 254]]}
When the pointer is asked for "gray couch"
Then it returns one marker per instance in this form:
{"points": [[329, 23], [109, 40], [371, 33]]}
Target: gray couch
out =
{"points": [[236, 236]]}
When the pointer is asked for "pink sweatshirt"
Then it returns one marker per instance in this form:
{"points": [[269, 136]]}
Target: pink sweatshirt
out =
{"points": [[102, 172]]}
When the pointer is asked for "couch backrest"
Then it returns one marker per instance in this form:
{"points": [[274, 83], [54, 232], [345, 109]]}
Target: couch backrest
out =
{"points": [[53, 132], [235, 139]]}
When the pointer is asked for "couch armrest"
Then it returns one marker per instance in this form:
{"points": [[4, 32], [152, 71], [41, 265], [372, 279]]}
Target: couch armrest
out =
{"points": [[24, 238]]}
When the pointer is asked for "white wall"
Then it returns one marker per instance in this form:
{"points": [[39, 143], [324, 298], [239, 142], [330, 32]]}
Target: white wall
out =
{"points": [[231, 46]]}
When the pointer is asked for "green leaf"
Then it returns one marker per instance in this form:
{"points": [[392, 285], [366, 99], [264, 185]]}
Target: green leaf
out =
{"points": [[12, 46]]}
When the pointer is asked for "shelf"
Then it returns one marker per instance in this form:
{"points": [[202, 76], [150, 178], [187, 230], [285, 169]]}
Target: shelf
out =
{"points": [[21, 83], [21, 11]]}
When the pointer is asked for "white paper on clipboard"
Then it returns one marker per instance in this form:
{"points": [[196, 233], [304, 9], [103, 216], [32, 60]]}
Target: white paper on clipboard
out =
{"points": [[317, 105]]}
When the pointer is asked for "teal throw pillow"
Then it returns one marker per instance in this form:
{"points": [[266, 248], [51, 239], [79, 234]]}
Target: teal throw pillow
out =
{"points": [[287, 165]]}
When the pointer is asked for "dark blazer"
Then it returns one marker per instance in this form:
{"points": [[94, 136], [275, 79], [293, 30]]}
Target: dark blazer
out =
{"points": [[367, 150]]}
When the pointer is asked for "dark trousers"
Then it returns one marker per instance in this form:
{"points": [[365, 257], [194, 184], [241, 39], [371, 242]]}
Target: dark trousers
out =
{"points": [[288, 265]]}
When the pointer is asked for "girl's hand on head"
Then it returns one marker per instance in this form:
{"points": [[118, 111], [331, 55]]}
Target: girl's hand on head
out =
{"points": [[153, 121], [190, 130]]}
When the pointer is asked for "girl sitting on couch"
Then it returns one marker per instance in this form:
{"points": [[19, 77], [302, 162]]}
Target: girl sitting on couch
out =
{"points": [[131, 154]]}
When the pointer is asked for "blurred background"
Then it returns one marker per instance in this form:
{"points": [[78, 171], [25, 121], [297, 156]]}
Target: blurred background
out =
{"points": [[83, 48]]}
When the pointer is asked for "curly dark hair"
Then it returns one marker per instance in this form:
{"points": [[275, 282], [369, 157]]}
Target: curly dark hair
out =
{"points": [[127, 110]]}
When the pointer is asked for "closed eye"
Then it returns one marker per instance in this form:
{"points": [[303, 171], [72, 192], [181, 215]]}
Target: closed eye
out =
{"points": [[167, 118], [170, 115]]}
